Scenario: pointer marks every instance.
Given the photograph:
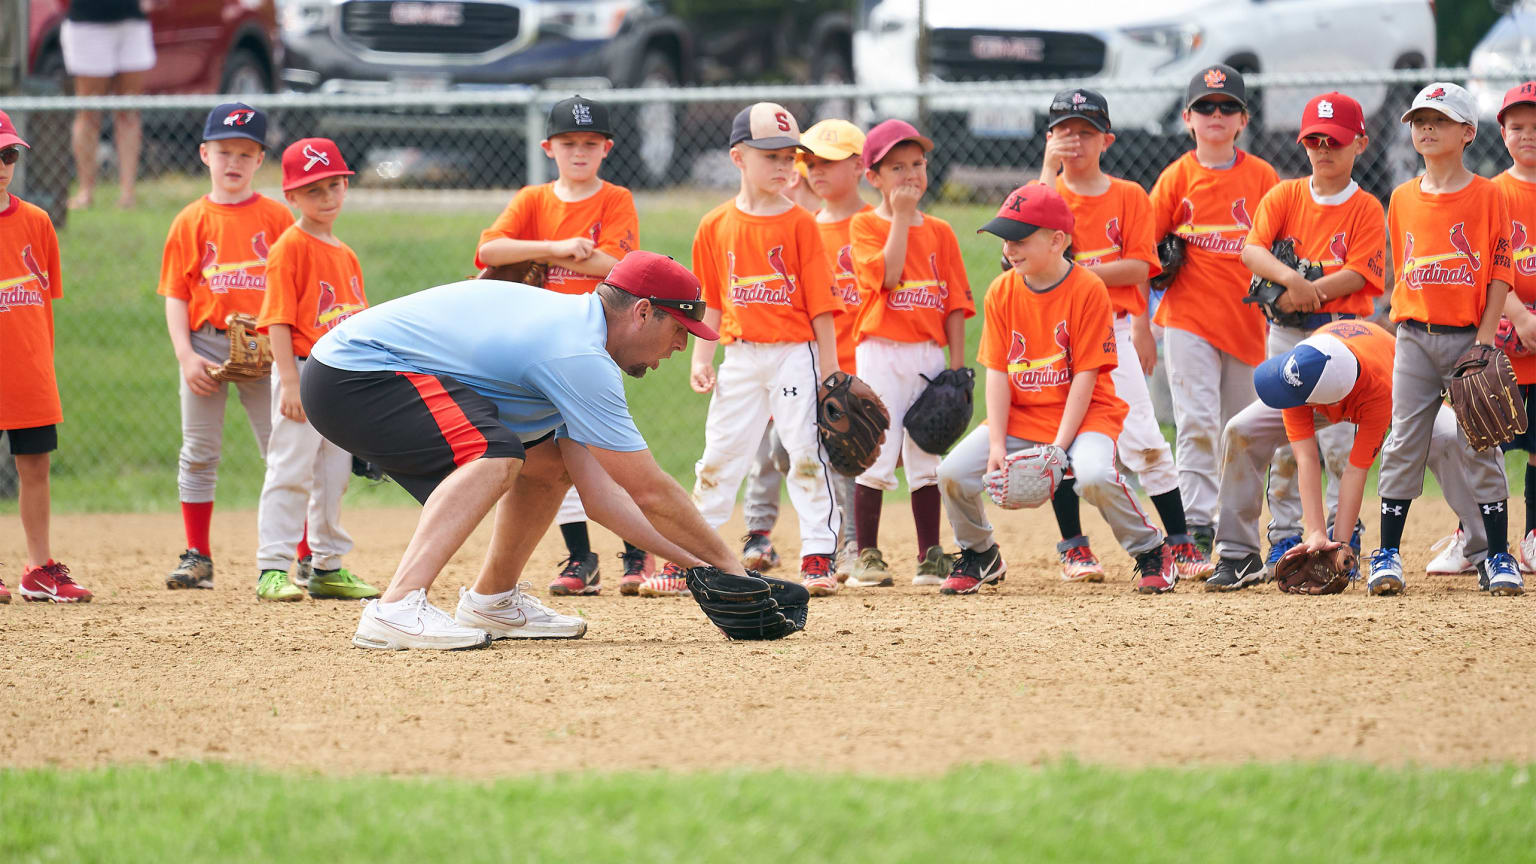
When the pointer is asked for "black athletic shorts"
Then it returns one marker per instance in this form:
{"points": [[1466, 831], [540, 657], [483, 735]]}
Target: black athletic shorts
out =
{"points": [[1527, 440], [416, 427], [32, 440]]}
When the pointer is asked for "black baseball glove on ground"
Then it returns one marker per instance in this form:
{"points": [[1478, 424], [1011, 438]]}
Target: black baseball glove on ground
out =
{"points": [[749, 607]]}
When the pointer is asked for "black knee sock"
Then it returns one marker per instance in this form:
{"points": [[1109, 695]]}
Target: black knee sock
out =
{"points": [[577, 542], [630, 548], [1394, 515], [1170, 508], [1496, 523], [1064, 502], [1530, 499]]}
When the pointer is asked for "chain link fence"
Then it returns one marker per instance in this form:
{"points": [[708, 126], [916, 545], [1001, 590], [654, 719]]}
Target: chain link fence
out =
{"points": [[434, 168]]}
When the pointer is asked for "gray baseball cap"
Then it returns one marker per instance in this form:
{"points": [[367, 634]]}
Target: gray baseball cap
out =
{"points": [[1449, 99]]}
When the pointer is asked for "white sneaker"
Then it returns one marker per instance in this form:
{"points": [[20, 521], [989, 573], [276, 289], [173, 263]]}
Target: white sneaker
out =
{"points": [[1453, 556], [517, 615], [414, 623], [1527, 553]]}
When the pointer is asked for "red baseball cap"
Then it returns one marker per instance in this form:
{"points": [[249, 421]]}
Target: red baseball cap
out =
{"points": [[8, 136], [888, 134], [666, 283], [1520, 94], [1028, 208], [309, 159], [1335, 115]]}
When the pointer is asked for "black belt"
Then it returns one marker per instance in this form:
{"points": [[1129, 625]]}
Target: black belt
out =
{"points": [[1438, 329], [1318, 319]]}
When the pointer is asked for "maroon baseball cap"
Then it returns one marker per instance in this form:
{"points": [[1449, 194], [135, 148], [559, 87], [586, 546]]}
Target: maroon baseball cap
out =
{"points": [[1028, 208], [888, 134], [1520, 94], [309, 159], [8, 136], [667, 284], [1335, 115]]}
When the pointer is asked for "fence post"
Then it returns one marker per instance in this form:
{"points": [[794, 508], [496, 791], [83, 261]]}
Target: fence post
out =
{"points": [[533, 133]]}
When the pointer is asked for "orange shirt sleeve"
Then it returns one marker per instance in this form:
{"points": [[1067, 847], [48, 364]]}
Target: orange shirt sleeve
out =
{"points": [[706, 264], [178, 259], [992, 353], [1300, 423], [1368, 252], [960, 298], [516, 221], [1137, 228], [868, 233], [620, 234], [1499, 229], [1272, 214], [284, 278], [1167, 192], [1094, 327], [815, 270]]}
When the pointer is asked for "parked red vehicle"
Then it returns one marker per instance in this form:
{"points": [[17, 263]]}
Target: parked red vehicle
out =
{"points": [[201, 46]]}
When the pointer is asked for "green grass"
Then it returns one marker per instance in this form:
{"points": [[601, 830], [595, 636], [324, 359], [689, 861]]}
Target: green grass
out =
{"points": [[117, 376], [1060, 812]]}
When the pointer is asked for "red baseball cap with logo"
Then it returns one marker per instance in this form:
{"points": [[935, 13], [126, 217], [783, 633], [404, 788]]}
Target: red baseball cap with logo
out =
{"points": [[667, 284], [309, 159], [8, 136], [1520, 94], [1027, 209], [888, 134], [1335, 115]]}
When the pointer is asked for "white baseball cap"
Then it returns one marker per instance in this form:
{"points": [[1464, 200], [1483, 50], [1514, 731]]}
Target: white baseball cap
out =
{"points": [[1320, 370], [1449, 99]]}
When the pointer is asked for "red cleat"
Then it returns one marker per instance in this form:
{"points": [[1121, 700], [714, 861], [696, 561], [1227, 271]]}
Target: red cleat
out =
{"points": [[51, 583]]}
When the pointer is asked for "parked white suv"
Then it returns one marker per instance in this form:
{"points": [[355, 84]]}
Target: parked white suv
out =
{"points": [[978, 40]]}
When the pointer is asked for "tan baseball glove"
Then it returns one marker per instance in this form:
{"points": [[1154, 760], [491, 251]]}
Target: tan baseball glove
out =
{"points": [[1485, 398], [250, 352], [1324, 571]]}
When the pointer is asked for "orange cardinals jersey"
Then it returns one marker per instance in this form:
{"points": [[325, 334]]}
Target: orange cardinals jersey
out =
{"points": [[768, 275], [1348, 236], [29, 283], [1369, 403], [311, 286], [1520, 199], [216, 256], [1448, 248], [1115, 226], [835, 239], [608, 218], [1042, 339], [933, 281], [1212, 211]]}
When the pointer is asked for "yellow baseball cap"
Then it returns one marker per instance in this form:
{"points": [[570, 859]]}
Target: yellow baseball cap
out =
{"points": [[833, 140]]}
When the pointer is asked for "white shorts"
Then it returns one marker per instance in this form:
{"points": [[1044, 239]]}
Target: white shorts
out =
{"points": [[93, 50]]}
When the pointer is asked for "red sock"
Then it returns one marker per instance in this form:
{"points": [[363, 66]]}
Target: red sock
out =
{"points": [[197, 518], [866, 515], [926, 505], [303, 549]]}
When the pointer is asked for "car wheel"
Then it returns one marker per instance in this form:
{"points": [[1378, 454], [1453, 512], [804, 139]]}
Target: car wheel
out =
{"points": [[244, 73], [648, 151]]}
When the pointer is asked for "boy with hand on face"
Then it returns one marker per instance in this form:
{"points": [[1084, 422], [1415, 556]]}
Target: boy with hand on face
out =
{"points": [[579, 225], [1112, 238]]}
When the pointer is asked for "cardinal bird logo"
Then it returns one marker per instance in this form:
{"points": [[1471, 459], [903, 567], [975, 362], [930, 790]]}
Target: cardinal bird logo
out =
{"points": [[239, 117], [1038, 373], [930, 293], [1437, 93], [1337, 247], [259, 245], [1112, 232], [1226, 239], [222, 278], [210, 258], [1186, 217], [16, 291], [1240, 213], [329, 312], [29, 261], [1525, 255], [774, 288], [844, 277], [1460, 244], [845, 261], [1097, 256]]}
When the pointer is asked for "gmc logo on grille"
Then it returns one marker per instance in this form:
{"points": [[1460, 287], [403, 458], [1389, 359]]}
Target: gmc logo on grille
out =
{"points": [[429, 14], [1027, 49]]}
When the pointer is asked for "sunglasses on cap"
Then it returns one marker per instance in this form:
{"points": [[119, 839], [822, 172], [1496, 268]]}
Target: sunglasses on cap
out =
{"points": [[1209, 107], [1314, 142], [691, 308], [9, 155]]}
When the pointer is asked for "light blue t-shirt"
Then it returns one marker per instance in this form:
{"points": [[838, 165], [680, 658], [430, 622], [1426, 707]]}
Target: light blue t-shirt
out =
{"points": [[539, 356]]}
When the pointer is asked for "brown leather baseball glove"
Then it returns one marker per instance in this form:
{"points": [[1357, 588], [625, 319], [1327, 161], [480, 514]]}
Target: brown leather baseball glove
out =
{"points": [[1485, 398], [851, 421], [250, 352], [526, 272], [1325, 571]]}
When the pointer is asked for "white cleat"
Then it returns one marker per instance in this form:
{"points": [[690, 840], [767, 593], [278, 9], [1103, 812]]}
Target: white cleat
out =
{"points": [[517, 615], [1453, 556], [1526, 552], [414, 623]]}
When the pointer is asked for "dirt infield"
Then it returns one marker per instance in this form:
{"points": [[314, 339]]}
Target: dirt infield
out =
{"points": [[885, 680]]}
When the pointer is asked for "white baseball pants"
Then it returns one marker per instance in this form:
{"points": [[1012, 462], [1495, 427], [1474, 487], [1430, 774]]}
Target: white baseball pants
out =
{"points": [[756, 381], [571, 509], [202, 420], [1141, 445], [306, 476], [893, 370], [1209, 387]]}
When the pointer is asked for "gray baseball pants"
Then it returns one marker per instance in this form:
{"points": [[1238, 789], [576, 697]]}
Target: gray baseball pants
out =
{"points": [[1209, 387], [202, 420]]}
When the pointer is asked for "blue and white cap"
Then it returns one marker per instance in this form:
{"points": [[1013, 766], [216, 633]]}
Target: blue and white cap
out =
{"points": [[1320, 370]]}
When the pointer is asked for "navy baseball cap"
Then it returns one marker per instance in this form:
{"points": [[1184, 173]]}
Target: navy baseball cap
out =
{"points": [[236, 120], [766, 126], [1320, 370]]}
